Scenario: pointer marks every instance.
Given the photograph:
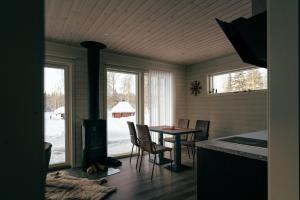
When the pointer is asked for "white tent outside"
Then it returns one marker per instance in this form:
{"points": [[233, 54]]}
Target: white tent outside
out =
{"points": [[60, 110], [58, 113], [123, 107]]}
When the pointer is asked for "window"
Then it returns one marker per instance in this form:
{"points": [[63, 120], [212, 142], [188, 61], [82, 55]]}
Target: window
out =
{"points": [[56, 112], [238, 81], [122, 106], [158, 99], [138, 96]]}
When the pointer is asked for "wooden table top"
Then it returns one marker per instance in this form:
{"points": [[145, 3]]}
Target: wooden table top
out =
{"points": [[172, 130]]}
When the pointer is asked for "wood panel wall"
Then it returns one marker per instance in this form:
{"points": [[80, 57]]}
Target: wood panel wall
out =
{"points": [[229, 113], [77, 55]]}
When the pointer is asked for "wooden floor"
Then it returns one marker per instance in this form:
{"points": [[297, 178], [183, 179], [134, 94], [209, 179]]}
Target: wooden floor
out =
{"points": [[165, 185]]}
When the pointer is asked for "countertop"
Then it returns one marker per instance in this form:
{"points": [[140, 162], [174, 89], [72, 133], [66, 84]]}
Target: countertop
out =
{"points": [[253, 152]]}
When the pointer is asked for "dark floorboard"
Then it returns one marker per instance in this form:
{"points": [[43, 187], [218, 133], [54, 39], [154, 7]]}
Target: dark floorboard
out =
{"points": [[165, 185]]}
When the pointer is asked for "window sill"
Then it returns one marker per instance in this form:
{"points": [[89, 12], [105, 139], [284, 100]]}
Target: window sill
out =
{"points": [[239, 93]]}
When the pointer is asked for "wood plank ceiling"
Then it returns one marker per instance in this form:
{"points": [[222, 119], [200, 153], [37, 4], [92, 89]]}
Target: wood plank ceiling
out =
{"points": [[176, 31]]}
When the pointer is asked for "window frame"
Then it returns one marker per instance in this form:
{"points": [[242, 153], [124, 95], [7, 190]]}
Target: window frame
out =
{"points": [[211, 75], [139, 91], [140, 86], [67, 66]]}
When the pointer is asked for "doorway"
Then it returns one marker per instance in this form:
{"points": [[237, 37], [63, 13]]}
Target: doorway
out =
{"points": [[56, 115], [122, 106]]}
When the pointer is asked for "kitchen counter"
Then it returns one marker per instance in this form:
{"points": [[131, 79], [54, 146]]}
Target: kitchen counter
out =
{"points": [[233, 169], [253, 152]]}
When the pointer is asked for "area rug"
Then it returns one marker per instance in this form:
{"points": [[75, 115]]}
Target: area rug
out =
{"points": [[64, 187]]}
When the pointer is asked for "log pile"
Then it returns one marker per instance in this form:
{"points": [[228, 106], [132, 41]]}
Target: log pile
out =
{"points": [[93, 168]]}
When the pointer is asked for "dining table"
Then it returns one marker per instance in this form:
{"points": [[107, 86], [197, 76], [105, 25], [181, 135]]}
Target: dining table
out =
{"points": [[176, 132]]}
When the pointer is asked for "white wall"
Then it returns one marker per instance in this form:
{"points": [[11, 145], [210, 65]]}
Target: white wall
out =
{"points": [[21, 142], [283, 61], [229, 114], [80, 105]]}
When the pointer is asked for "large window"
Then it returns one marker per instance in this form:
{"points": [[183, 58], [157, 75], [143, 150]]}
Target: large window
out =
{"points": [[138, 96], [56, 115], [238, 81], [122, 106], [158, 99]]}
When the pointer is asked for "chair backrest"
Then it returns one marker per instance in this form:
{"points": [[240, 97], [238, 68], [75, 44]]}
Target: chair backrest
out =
{"points": [[132, 132], [202, 125], [144, 137], [183, 123]]}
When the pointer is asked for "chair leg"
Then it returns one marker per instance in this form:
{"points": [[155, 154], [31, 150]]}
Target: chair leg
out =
{"points": [[194, 152], [171, 161], [153, 166], [141, 160], [137, 160], [188, 150], [192, 149], [131, 153]]}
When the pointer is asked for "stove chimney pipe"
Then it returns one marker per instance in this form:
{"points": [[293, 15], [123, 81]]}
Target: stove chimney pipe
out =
{"points": [[93, 57]]}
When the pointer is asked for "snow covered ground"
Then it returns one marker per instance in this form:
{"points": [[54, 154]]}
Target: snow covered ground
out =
{"points": [[117, 136], [55, 134]]}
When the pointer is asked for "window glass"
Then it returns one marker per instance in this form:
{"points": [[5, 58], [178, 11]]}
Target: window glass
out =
{"points": [[54, 113], [238, 81], [121, 107]]}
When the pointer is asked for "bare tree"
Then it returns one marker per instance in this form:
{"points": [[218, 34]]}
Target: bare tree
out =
{"points": [[254, 80], [239, 82]]}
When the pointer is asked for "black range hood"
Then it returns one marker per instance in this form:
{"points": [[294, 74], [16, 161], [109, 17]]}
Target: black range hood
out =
{"points": [[249, 38]]}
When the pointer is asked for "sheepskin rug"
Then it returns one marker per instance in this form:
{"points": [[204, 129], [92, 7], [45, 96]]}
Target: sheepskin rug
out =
{"points": [[61, 186]]}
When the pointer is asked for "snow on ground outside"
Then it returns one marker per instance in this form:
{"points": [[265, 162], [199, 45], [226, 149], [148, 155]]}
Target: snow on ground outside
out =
{"points": [[55, 134], [117, 130], [118, 137]]}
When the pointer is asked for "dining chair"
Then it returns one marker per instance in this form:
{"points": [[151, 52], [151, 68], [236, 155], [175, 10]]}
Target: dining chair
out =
{"points": [[203, 134], [134, 141], [182, 123], [147, 145], [47, 154]]}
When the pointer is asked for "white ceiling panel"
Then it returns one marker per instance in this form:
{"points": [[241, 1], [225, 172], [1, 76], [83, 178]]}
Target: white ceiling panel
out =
{"points": [[176, 31]]}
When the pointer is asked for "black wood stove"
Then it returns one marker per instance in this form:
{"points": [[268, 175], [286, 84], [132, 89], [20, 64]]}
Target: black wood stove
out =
{"points": [[94, 141]]}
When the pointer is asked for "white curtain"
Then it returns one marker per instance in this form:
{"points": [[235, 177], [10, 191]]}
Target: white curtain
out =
{"points": [[160, 98]]}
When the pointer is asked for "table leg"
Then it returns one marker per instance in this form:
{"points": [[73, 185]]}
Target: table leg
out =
{"points": [[177, 167], [161, 159], [161, 142], [177, 152]]}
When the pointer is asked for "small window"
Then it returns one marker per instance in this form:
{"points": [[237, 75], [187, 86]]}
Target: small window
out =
{"points": [[238, 81]]}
